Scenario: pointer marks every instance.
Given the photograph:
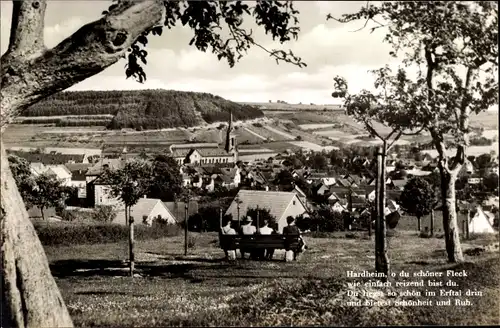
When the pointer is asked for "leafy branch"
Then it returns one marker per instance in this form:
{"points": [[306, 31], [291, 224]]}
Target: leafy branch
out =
{"points": [[211, 20]]}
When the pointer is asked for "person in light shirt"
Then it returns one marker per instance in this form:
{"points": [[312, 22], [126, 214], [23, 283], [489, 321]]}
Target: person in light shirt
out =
{"points": [[266, 230], [247, 229], [228, 230]]}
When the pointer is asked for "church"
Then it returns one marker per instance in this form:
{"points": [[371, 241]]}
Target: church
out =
{"points": [[207, 153]]}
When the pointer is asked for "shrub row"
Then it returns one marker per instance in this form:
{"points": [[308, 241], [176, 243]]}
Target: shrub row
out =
{"points": [[61, 234]]}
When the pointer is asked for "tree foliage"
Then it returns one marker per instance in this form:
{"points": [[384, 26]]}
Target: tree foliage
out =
{"points": [[218, 27], [146, 109], [453, 48], [24, 179], [166, 179], [48, 192], [418, 197], [456, 62], [129, 183]]}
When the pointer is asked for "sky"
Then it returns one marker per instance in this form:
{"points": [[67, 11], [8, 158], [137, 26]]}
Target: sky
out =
{"points": [[329, 48]]}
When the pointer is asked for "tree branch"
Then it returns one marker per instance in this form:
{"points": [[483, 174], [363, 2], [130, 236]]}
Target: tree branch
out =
{"points": [[372, 130], [394, 141], [87, 52], [26, 32], [459, 158], [413, 133]]}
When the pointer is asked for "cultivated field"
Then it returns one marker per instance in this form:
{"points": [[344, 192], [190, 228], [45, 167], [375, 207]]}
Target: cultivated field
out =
{"points": [[316, 130], [202, 289], [471, 151]]}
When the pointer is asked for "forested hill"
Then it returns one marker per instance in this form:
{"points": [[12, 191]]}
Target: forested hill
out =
{"points": [[146, 109]]}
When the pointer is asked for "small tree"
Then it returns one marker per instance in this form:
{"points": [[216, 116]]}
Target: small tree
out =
{"points": [[417, 198], [47, 192], [25, 180], [166, 179], [129, 184]]}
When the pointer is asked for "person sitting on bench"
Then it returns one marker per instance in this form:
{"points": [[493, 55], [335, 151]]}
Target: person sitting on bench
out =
{"points": [[266, 230], [227, 230], [247, 229], [291, 230]]}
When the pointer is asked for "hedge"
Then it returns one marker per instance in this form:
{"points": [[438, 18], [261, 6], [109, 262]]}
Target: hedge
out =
{"points": [[67, 233]]}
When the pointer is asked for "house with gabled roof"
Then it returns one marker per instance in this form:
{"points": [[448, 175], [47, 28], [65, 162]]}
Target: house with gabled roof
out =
{"points": [[99, 192], [479, 222], [78, 177], [148, 210], [178, 209], [281, 204]]}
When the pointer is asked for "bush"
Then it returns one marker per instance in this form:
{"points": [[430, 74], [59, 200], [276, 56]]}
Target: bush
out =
{"points": [[61, 234], [257, 125], [68, 215], [104, 213]]}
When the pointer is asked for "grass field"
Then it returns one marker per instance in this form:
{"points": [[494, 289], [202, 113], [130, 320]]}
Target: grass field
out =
{"points": [[201, 289]]}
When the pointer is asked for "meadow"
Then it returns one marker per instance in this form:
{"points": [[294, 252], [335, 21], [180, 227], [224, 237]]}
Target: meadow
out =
{"points": [[202, 289]]}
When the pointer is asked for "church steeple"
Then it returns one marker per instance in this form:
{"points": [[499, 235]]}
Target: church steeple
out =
{"points": [[230, 137]]}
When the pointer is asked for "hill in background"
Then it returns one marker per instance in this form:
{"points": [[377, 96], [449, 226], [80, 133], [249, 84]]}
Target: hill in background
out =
{"points": [[142, 109]]}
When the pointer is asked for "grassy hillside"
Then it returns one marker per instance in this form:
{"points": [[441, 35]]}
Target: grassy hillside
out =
{"points": [[144, 109]]}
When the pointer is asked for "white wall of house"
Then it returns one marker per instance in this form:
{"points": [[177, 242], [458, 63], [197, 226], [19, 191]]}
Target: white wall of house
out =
{"points": [[322, 190], [162, 210], [103, 196], [82, 188], [237, 178], [480, 223], [295, 208], [338, 208], [210, 187], [194, 158]]}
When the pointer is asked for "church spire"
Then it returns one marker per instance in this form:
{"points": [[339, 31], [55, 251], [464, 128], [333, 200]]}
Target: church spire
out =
{"points": [[229, 137]]}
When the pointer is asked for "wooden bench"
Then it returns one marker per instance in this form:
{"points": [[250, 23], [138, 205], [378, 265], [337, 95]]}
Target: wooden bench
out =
{"points": [[251, 242]]}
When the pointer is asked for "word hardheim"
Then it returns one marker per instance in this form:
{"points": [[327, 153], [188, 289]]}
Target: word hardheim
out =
{"points": [[450, 292], [364, 274]]}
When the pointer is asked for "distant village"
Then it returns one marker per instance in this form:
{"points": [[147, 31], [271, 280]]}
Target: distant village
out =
{"points": [[283, 184]]}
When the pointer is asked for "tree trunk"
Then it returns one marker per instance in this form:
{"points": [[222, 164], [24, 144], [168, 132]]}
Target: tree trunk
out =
{"points": [[382, 260], [43, 214], [29, 73], [418, 223], [30, 296], [450, 221], [131, 242], [432, 222]]}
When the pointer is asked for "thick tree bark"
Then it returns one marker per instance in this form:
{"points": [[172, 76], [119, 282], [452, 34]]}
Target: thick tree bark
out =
{"points": [[30, 296], [450, 221], [29, 73]]}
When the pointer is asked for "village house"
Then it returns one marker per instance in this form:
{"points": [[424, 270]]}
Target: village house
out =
{"points": [[98, 192], [149, 209], [479, 221], [178, 209], [59, 171], [280, 204]]}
